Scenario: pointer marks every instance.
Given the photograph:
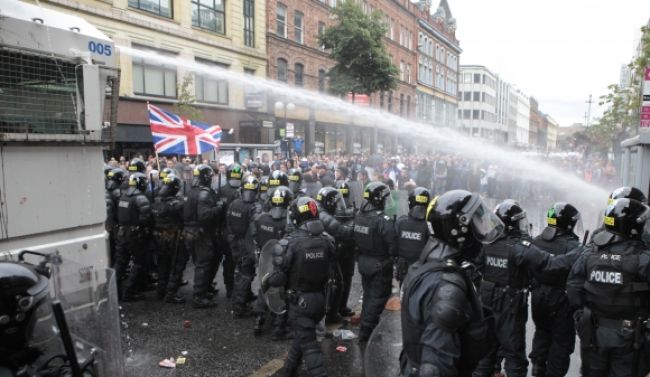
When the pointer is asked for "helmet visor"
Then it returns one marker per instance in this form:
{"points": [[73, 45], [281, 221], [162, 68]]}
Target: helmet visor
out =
{"points": [[486, 225], [578, 228], [522, 223], [339, 206]]}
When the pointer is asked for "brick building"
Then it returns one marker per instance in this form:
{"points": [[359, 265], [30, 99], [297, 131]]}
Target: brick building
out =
{"points": [[295, 57], [536, 119]]}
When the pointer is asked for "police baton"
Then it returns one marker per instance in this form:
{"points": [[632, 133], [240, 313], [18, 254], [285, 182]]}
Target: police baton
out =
{"points": [[584, 240]]}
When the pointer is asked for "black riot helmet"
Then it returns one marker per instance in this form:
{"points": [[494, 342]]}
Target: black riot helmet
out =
{"points": [[139, 181], [165, 172], [278, 178], [204, 174], [234, 175], [627, 192], [137, 166], [250, 188], [295, 179], [512, 215], [107, 170], [171, 184], [117, 175], [331, 200], [280, 201], [264, 184], [626, 218], [22, 291], [459, 218], [418, 202], [344, 189], [376, 194], [564, 216], [303, 210]]}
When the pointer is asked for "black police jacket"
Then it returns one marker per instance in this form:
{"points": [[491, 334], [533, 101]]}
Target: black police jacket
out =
{"points": [[134, 209], [445, 329], [110, 208], [340, 231], [168, 212], [202, 209], [267, 228], [374, 233], [302, 258], [240, 215], [555, 242], [412, 235], [511, 260], [612, 279]]}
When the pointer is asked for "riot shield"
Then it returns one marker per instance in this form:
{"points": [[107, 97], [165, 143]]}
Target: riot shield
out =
{"points": [[80, 318], [384, 347], [275, 297]]}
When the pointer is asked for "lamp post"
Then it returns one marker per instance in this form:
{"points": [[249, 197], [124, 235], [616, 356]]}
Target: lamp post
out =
{"points": [[281, 106]]}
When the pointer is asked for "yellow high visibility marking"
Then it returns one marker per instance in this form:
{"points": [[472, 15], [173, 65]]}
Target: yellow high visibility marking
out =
{"points": [[235, 175], [303, 208], [294, 178], [277, 200], [366, 195], [133, 168], [249, 186], [551, 221], [274, 182], [344, 191], [421, 199], [196, 172], [319, 197], [432, 204], [607, 220]]}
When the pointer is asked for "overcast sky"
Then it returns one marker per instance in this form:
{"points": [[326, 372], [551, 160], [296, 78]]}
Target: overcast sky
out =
{"points": [[558, 51]]}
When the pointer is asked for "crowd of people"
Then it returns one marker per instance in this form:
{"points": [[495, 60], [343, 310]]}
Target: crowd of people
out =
{"points": [[300, 221]]}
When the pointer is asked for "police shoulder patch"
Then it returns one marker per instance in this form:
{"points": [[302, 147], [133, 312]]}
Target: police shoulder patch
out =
{"points": [[525, 243]]}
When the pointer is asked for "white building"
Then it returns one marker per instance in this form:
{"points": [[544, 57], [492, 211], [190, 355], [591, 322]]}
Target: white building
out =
{"points": [[492, 108]]}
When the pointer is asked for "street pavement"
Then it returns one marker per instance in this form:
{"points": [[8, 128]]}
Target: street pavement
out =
{"points": [[218, 345]]}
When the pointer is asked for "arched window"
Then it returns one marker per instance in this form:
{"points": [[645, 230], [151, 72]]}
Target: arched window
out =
{"points": [[299, 72], [321, 80]]}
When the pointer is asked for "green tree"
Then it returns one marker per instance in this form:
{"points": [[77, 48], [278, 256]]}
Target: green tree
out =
{"points": [[186, 105], [624, 102], [355, 43]]}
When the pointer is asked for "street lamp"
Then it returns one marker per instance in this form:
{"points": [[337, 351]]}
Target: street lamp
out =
{"points": [[281, 106]]}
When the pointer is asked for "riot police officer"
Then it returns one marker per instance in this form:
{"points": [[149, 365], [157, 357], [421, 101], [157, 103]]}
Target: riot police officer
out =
{"points": [[168, 221], [346, 250], [271, 225], [201, 213], [136, 165], [264, 190], [374, 235], [276, 179], [227, 194], [114, 193], [134, 221], [610, 287], [301, 265], [295, 181], [239, 218], [23, 288], [331, 206], [444, 329], [412, 231], [508, 265], [554, 338]]}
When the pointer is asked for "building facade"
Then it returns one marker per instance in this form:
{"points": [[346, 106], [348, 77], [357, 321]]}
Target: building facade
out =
{"points": [[215, 33], [523, 119], [437, 66], [477, 106]]}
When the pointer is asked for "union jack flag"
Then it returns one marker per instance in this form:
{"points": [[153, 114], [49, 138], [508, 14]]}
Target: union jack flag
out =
{"points": [[173, 134]]}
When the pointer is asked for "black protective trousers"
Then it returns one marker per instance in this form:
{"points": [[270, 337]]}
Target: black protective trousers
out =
{"points": [[244, 259], [130, 244], [346, 263], [554, 339], [172, 259], [305, 311], [510, 315], [615, 355], [377, 280], [201, 245]]}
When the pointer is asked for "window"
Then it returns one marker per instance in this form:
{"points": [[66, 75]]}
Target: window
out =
{"points": [[467, 96], [408, 73], [154, 79], [299, 72], [321, 80], [390, 101], [392, 29], [209, 14], [281, 21], [160, 7], [467, 78], [475, 114], [467, 114], [333, 3], [321, 30], [282, 70], [208, 89], [381, 100], [401, 104], [249, 71], [408, 106], [477, 96], [402, 69], [297, 22], [477, 78], [249, 23]]}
